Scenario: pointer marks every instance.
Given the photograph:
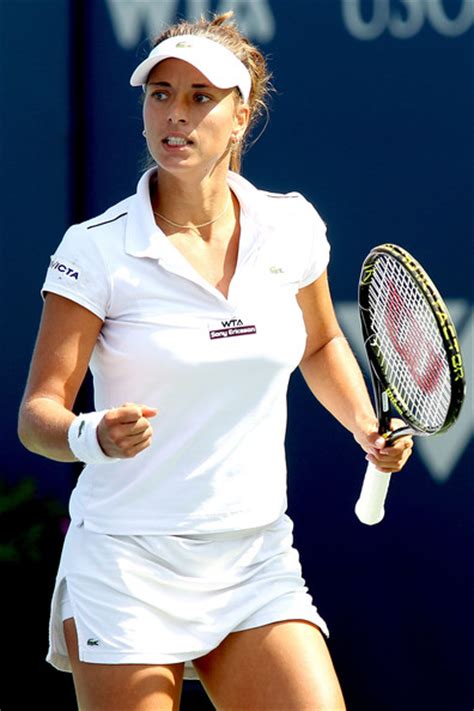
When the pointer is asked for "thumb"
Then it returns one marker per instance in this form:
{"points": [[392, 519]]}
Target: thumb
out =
{"points": [[378, 441], [148, 411]]}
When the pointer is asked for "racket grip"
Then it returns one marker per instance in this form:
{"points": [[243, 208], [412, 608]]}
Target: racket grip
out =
{"points": [[370, 506]]}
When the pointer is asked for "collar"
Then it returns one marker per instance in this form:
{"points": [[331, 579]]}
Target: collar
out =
{"points": [[143, 238]]}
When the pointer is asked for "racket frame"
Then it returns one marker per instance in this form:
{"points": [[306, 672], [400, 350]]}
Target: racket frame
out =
{"points": [[382, 388], [370, 506]]}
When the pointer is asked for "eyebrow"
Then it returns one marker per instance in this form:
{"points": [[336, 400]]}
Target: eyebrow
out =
{"points": [[167, 83]]}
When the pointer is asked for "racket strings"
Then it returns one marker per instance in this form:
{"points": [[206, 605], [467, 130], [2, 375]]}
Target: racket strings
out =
{"points": [[407, 334]]}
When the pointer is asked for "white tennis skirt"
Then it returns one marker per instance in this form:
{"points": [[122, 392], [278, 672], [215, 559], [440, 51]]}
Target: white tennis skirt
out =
{"points": [[168, 599]]}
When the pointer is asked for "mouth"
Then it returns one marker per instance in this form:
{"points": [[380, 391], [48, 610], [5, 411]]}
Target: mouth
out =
{"points": [[176, 141]]}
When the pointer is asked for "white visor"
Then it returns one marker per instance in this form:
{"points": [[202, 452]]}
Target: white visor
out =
{"points": [[216, 62]]}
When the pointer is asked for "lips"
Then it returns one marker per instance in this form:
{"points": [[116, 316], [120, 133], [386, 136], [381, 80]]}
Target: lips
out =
{"points": [[174, 140]]}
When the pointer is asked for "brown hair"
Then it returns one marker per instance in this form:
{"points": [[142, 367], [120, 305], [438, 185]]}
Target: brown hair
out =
{"points": [[229, 36]]}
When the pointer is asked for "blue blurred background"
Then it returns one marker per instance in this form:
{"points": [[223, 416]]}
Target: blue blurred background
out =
{"points": [[372, 120]]}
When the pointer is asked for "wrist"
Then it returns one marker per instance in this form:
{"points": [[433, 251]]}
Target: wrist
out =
{"points": [[83, 440], [364, 427]]}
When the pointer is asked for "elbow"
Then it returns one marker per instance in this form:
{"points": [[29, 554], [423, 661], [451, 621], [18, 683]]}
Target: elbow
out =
{"points": [[23, 434], [314, 349], [41, 431], [24, 430]]}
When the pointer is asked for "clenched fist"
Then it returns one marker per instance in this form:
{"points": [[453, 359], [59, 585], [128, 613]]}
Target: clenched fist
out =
{"points": [[125, 431]]}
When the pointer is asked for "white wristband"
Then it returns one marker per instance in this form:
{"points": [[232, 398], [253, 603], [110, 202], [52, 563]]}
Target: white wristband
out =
{"points": [[82, 439]]}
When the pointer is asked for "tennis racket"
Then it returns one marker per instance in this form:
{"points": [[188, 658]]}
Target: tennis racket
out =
{"points": [[414, 356]]}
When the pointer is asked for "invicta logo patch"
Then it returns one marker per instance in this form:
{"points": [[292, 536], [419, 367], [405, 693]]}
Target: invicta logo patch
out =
{"points": [[70, 272]]}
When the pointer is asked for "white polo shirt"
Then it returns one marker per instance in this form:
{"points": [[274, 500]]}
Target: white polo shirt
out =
{"points": [[216, 368]]}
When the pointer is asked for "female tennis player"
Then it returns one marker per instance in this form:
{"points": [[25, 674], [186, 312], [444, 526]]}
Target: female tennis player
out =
{"points": [[192, 301]]}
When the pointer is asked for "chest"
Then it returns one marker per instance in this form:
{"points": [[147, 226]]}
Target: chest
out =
{"points": [[214, 259], [168, 319]]}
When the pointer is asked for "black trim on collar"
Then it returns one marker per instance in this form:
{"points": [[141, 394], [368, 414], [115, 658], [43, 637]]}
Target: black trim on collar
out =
{"points": [[99, 224], [280, 195]]}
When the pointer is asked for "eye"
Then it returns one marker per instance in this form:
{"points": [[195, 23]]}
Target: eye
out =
{"points": [[159, 95], [202, 98]]}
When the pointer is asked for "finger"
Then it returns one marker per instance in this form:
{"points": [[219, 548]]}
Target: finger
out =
{"points": [[127, 413], [130, 444], [140, 410], [132, 452], [124, 433], [123, 445], [136, 429], [130, 428], [391, 461], [377, 441], [402, 445], [148, 411], [393, 455], [130, 412], [384, 467]]}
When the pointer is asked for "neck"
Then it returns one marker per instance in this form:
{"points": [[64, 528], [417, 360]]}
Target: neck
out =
{"points": [[190, 202], [195, 226]]}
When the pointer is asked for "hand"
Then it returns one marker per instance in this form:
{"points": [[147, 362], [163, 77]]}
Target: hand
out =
{"points": [[390, 458], [125, 431]]}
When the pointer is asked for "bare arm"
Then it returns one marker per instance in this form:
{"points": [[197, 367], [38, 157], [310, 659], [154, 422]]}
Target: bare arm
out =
{"points": [[334, 377], [67, 335]]}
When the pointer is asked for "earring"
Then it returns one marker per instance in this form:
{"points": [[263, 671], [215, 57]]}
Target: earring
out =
{"points": [[235, 139], [144, 133]]}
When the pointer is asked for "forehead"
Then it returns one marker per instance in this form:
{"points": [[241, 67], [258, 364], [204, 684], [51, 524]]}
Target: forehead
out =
{"points": [[173, 70]]}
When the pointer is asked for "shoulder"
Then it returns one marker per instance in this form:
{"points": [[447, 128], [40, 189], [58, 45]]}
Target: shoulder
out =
{"points": [[111, 221], [111, 216], [283, 202], [293, 206], [274, 206], [97, 239], [113, 229], [87, 247], [294, 225]]}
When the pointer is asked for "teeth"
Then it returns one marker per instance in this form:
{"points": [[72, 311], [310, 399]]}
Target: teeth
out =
{"points": [[176, 141]]}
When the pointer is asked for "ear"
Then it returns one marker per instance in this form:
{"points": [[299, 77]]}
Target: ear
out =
{"points": [[241, 120]]}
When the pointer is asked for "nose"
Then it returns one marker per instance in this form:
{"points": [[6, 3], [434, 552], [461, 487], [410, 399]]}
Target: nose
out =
{"points": [[177, 112]]}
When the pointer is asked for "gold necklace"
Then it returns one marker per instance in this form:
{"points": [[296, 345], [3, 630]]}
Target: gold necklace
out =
{"points": [[196, 227]]}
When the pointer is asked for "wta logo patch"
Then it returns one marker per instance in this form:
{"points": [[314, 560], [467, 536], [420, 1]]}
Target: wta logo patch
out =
{"points": [[70, 272], [233, 327]]}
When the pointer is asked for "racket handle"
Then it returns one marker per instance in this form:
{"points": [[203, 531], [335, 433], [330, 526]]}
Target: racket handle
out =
{"points": [[370, 506]]}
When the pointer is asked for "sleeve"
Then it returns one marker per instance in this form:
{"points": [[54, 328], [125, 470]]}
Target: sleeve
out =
{"points": [[78, 272], [318, 247]]}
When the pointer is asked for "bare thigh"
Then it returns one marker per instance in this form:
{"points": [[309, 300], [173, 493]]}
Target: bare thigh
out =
{"points": [[123, 687], [278, 667]]}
